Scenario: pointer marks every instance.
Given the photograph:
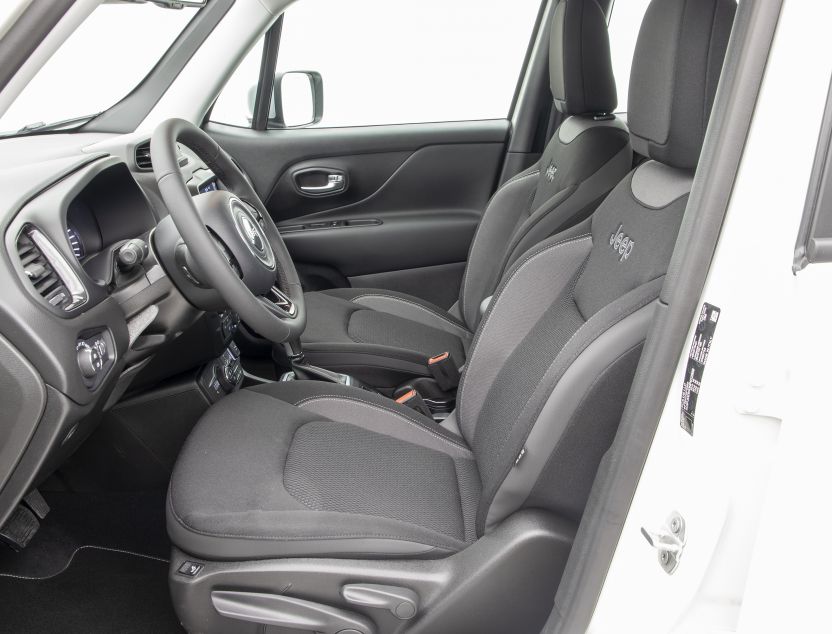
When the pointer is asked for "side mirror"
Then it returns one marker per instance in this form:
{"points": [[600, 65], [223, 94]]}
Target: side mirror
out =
{"points": [[298, 99]]}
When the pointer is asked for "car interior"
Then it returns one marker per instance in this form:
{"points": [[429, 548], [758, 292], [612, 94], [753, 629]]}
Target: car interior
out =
{"points": [[347, 380]]}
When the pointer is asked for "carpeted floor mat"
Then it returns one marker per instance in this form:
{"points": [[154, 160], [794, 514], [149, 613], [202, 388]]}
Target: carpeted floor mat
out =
{"points": [[97, 564], [124, 521], [99, 591]]}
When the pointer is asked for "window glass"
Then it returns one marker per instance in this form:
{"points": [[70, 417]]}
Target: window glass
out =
{"points": [[625, 23], [391, 61], [106, 57], [235, 105]]}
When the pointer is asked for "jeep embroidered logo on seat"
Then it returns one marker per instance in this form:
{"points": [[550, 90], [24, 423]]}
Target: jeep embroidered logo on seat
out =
{"points": [[621, 243], [551, 171]]}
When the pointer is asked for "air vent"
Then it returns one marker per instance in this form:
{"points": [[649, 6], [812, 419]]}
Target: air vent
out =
{"points": [[48, 271], [143, 161]]}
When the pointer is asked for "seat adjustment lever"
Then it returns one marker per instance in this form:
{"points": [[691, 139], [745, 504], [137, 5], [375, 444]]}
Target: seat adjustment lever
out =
{"points": [[402, 602], [288, 612]]}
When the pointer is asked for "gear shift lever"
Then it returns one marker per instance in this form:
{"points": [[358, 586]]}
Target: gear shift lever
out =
{"points": [[305, 371]]}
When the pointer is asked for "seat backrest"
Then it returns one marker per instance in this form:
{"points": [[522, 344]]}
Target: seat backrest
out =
{"points": [[553, 360], [586, 157]]}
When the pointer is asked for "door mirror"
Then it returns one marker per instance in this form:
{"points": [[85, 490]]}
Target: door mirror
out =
{"points": [[298, 99]]}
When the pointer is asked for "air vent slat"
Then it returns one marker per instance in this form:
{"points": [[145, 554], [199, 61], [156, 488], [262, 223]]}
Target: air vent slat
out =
{"points": [[50, 275], [143, 161]]}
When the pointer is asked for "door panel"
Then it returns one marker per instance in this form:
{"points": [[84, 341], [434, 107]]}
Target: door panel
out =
{"points": [[411, 201]]}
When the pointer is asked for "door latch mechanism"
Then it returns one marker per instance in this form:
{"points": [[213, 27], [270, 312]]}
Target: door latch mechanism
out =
{"points": [[669, 540]]}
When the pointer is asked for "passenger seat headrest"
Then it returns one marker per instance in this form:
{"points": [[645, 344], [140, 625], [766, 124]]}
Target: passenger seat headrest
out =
{"points": [[580, 70], [676, 67]]}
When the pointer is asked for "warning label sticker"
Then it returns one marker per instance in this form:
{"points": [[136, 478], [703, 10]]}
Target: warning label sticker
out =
{"points": [[700, 347]]}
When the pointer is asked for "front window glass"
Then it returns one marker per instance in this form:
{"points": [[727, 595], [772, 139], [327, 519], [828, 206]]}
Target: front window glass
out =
{"points": [[385, 62], [106, 57]]}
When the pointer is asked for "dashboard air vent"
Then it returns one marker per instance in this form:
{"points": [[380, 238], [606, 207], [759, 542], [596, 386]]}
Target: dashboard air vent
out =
{"points": [[48, 271], [143, 161]]}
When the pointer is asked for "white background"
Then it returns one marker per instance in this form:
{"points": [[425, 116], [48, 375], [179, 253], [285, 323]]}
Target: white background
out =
{"points": [[382, 61]]}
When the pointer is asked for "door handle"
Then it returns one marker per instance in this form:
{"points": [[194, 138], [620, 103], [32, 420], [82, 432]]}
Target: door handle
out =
{"points": [[320, 181], [335, 182]]}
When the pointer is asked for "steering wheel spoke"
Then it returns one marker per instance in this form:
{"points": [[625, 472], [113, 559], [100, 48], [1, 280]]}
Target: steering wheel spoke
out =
{"points": [[278, 301], [229, 235]]}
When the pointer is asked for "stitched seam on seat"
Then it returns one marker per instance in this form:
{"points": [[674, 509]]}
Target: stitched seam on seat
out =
{"points": [[336, 397], [462, 503], [406, 301], [517, 178], [493, 306], [295, 539]]}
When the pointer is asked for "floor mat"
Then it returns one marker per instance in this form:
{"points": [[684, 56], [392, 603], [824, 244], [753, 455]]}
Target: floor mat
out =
{"points": [[99, 591], [97, 564], [133, 522]]}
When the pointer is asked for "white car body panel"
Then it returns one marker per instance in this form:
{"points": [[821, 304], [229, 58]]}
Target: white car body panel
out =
{"points": [[749, 481]]}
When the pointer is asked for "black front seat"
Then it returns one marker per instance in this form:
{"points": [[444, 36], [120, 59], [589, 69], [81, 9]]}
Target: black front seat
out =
{"points": [[337, 508], [384, 337]]}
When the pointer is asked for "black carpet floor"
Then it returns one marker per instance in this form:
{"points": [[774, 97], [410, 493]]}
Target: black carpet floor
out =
{"points": [[97, 564]]}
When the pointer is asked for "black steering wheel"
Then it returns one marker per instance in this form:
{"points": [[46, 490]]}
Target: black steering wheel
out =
{"points": [[231, 240]]}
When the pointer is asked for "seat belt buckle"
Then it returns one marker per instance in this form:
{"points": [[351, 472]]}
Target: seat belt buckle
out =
{"points": [[444, 371], [409, 397]]}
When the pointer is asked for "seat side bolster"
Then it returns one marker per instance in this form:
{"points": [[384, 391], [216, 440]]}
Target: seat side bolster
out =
{"points": [[508, 206], [561, 210], [528, 290], [562, 405]]}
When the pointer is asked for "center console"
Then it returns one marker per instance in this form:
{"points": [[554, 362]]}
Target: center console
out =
{"points": [[223, 374]]}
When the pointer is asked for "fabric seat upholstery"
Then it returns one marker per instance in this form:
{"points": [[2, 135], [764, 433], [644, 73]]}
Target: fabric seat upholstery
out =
{"points": [[290, 469], [313, 469], [383, 337]]}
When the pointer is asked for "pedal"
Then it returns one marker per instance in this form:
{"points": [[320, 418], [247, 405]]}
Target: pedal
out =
{"points": [[35, 501], [21, 526]]}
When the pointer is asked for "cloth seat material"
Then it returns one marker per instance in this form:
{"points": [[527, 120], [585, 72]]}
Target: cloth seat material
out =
{"points": [[384, 337], [307, 469]]}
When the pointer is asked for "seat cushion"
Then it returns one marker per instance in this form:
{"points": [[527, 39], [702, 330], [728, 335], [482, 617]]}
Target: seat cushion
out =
{"points": [[313, 469], [378, 336]]}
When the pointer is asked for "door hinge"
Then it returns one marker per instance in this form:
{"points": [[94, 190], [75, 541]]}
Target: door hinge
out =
{"points": [[669, 540]]}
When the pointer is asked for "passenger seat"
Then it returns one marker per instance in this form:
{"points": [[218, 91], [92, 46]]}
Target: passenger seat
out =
{"points": [[383, 337]]}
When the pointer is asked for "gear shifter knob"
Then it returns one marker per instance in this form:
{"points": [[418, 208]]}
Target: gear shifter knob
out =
{"points": [[294, 351]]}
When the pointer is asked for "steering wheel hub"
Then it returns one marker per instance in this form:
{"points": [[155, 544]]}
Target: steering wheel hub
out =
{"points": [[252, 233]]}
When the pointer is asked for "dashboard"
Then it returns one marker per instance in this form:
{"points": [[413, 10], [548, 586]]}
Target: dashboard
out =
{"points": [[86, 304]]}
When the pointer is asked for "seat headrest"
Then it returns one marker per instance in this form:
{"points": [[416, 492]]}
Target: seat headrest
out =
{"points": [[676, 67], [580, 70]]}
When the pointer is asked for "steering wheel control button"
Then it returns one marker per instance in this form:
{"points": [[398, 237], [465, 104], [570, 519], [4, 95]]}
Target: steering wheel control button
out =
{"points": [[190, 568]]}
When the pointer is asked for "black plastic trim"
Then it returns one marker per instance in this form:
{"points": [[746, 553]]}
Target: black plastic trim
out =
{"points": [[27, 33], [265, 83], [127, 114]]}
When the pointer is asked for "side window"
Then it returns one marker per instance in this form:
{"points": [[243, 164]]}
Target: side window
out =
{"points": [[235, 105], [625, 22], [381, 62]]}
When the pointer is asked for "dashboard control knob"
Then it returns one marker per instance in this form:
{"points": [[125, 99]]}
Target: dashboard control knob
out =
{"points": [[227, 376], [131, 254], [89, 360]]}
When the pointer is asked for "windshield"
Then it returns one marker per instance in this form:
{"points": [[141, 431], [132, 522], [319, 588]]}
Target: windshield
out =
{"points": [[106, 57]]}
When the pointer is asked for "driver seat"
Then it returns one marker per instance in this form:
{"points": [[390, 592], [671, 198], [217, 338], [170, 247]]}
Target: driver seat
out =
{"points": [[385, 337], [320, 507]]}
